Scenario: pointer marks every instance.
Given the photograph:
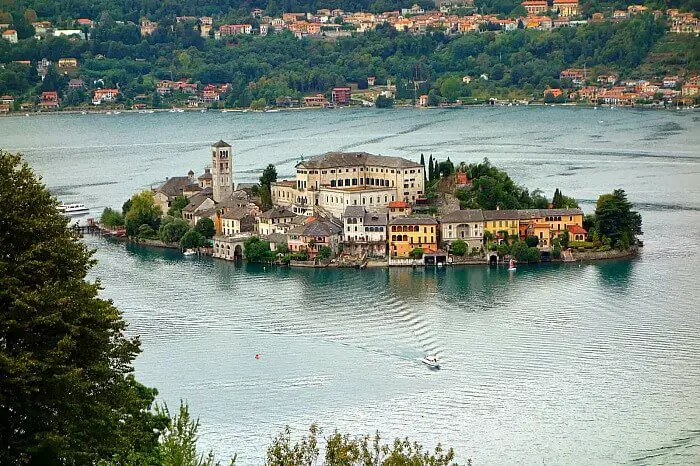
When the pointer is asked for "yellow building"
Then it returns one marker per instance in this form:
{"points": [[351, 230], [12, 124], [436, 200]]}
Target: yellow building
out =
{"points": [[566, 8], [408, 233], [521, 223]]}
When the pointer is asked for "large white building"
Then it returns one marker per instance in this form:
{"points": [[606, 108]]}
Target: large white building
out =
{"points": [[331, 182]]}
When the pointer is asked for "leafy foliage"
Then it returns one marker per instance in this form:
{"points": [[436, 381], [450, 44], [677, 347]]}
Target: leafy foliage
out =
{"points": [[193, 240], [67, 394], [257, 250], [111, 218], [324, 253], [205, 227], [172, 229], [269, 176], [459, 247], [416, 253], [615, 219], [177, 205], [142, 211]]}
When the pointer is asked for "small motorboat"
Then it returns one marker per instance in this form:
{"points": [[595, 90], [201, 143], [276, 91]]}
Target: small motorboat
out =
{"points": [[432, 361], [189, 252], [73, 209], [511, 265]]}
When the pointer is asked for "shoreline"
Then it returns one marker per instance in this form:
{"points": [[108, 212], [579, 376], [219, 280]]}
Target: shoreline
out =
{"points": [[579, 257], [150, 111]]}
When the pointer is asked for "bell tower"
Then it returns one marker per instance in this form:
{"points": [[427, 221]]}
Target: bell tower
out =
{"points": [[221, 170]]}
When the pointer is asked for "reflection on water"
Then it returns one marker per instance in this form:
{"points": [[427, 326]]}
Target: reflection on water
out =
{"points": [[552, 364]]}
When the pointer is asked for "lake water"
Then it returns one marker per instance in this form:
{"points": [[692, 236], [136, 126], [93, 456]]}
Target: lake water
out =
{"points": [[555, 364]]}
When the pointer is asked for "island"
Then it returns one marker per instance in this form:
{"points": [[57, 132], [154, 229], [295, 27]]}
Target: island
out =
{"points": [[355, 209]]}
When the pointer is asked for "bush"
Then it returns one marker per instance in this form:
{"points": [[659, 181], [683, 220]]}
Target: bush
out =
{"points": [[459, 248], [417, 253], [192, 240], [300, 256], [604, 248], [205, 227], [582, 244], [324, 253], [532, 241], [172, 229], [111, 218], [257, 250], [177, 205], [146, 232]]}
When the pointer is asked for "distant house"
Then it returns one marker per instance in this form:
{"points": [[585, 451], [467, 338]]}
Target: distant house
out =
{"points": [[7, 100], [566, 8], [464, 225], [577, 76], [364, 233], [670, 81], [147, 27], [69, 33], [313, 235], [577, 233], [370, 80], [104, 95], [318, 100], [399, 209], [49, 100], [341, 95], [84, 22], [165, 194], [408, 233], [10, 35], [76, 84], [423, 100], [553, 92], [275, 220], [67, 62], [535, 7], [236, 221]]}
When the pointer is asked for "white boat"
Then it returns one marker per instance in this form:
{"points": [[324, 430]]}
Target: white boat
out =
{"points": [[432, 361], [73, 209], [117, 112], [176, 110], [189, 252], [511, 266]]}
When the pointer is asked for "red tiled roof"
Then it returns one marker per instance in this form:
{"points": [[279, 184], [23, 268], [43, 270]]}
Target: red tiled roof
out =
{"points": [[577, 230], [399, 204]]}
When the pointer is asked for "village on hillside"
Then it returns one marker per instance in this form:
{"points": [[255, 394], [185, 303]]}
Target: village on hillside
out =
{"points": [[356, 208], [578, 85]]}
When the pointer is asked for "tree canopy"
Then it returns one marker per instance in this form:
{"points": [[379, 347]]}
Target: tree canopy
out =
{"points": [[67, 394], [615, 219]]}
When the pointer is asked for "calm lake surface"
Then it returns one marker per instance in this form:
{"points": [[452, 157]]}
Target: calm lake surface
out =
{"points": [[556, 364]]}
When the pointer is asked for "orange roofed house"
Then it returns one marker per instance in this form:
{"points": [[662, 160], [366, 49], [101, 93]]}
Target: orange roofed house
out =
{"points": [[104, 95], [49, 100]]}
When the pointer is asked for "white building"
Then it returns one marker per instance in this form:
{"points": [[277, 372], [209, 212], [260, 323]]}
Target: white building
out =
{"points": [[465, 225], [364, 232]]}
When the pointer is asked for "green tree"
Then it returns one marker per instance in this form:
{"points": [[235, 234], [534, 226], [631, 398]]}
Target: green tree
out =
{"points": [[142, 211], [425, 173], [324, 253], [172, 229], [384, 102], [532, 241], [192, 240], [258, 104], [434, 98], [205, 227], [450, 89], [416, 253], [179, 203], [269, 176], [614, 218], [145, 231], [111, 218], [67, 393], [459, 248], [257, 250], [178, 445], [431, 174]]}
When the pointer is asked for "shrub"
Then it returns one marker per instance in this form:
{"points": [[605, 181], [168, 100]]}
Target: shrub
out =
{"points": [[192, 239], [582, 244], [417, 253], [604, 248], [459, 247], [172, 229], [324, 253], [532, 241], [300, 256], [145, 231], [111, 218], [205, 227]]}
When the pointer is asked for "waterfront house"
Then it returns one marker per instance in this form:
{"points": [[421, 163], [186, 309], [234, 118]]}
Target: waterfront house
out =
{"points": [[535, 7], [236, 221], [275, 220], [466, 225], [408, 233], [364, 233], [49, 100], [341, 95], [313, 235], [76, 83], [546, 224], [104, 95], [502, 223], [318, 100]]}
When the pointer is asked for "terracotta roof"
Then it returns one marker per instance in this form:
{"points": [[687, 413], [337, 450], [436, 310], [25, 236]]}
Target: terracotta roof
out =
{"points": [[399, 204], [414, 220], [354, 159], [206, 175], [469, 215], [576, 230]]}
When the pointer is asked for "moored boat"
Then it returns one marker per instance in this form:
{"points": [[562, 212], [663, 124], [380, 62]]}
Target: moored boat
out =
{"points": [[73, 209], [432, 361]]}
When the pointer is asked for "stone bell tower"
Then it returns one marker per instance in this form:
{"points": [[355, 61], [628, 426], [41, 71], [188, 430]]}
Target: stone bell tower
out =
{"points": [[221, 170]]}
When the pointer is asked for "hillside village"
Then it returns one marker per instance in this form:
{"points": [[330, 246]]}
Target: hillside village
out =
{"points": [[577, 85], [355, 207]]}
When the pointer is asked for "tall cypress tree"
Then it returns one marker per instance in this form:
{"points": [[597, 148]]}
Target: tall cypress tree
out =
{"points": [[430, 168], [422, 162], [67, 392]]}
